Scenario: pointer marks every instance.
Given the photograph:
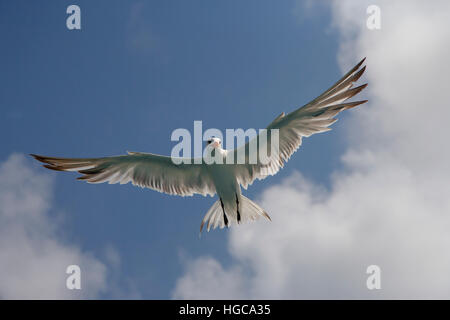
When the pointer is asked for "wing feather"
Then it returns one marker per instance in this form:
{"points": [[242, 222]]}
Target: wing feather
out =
{"points": [[314, 117], [146, 170]]}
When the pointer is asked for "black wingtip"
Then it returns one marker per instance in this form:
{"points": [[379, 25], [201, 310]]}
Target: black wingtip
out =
{"points": [[358, 89], [39, 158], [362, 102], [356, 103], [52, 167], [362, 61], [359, 65], [201, 225], [362, 70]]}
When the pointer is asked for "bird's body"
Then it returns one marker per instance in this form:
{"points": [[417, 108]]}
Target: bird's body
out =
{"points": [[206, 177], [227, 187]]}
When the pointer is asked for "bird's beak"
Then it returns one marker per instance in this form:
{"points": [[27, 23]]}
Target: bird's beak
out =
{"points": [[215, 144]]}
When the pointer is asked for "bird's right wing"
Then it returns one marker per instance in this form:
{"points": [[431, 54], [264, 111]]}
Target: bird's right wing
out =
{"points": [[148, 170], [314, 117]]}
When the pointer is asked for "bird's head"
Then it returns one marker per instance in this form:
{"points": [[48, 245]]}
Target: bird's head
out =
{"points": [[214, 143]]}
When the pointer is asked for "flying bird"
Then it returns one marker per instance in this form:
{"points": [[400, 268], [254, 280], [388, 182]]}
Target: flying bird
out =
{"points": [[187, 178]]}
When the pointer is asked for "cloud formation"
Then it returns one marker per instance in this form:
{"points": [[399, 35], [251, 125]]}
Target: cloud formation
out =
{"points": [[33, 256], [388, 205]]}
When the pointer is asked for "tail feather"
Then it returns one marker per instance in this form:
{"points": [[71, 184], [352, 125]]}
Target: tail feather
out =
{"points": [[249, 211]]}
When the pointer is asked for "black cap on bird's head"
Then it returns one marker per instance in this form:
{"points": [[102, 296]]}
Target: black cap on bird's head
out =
{"points": [[214, 142]]}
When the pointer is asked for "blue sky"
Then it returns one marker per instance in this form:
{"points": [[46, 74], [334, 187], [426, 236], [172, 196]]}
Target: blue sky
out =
{"points": [[134, 73]]}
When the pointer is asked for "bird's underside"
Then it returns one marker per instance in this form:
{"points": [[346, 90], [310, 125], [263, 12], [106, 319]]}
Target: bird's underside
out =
{"points": [[162, 174]]}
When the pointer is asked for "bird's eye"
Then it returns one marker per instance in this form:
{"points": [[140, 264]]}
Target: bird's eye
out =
{"points": [[209, 141]]}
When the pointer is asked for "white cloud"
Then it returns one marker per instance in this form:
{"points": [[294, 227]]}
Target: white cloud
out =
{"points": [[206, 275], [389, 204], [33, 257]]}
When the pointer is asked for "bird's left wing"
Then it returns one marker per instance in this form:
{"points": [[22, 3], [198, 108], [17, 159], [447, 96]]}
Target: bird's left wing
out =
{"points": [[314, 117], [148, 170]]}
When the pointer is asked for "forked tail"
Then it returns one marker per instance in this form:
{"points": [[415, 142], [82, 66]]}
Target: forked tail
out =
{"points": [[248, 211]]}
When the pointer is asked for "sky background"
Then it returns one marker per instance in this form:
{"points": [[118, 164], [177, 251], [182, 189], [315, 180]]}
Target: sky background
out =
{"points": [[372, 191]]}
